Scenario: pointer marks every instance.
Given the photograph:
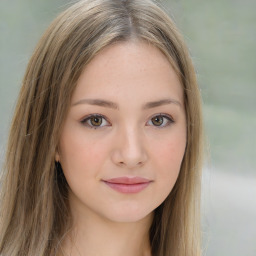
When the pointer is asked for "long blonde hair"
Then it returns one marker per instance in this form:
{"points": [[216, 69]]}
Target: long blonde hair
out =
{"points": [[34, 208]]}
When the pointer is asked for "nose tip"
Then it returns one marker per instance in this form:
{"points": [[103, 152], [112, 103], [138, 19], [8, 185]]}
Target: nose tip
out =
{"points": [[130, 151]]}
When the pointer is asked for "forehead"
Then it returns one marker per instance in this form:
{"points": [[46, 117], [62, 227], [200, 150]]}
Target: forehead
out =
{"points": [[129, 68]]}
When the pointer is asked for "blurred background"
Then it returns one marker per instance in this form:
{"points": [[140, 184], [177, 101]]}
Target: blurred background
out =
{"points": [[221, 36]]}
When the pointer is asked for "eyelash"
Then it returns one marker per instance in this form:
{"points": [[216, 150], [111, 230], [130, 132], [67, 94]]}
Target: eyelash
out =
{"points": [[88, 119], [167, 120]]}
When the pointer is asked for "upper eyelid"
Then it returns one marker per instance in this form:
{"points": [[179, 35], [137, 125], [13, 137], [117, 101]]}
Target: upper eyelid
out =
{"points": [[92, 115], [101, 115], [163, 115], [168, 116], [84, 120]]}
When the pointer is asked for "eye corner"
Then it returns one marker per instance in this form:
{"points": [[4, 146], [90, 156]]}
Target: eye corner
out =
{"points": [[162, 120], [88, 121]]}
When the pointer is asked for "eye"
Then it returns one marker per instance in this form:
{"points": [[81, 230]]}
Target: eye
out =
{"points": [[95, 121], [160, 120]]}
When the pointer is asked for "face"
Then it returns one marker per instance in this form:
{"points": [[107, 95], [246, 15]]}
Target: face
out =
{"points": [[124, 137]]}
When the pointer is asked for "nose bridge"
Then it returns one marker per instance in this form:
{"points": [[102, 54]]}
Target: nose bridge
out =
{"points": [[130, 149], [132, 140]]}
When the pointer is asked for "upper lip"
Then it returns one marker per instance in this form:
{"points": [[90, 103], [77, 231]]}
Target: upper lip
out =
{"points": [[128, 180]]}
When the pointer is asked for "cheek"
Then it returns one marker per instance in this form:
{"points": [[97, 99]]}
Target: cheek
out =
{"points": [[168, 156], [171, 151], [80, 154]]}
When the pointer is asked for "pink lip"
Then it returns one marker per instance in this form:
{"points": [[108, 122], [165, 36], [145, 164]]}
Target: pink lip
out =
{"points": [[128, 185]]}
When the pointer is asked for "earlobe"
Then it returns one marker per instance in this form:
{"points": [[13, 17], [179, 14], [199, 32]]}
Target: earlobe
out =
{"points": [[57, 156]]}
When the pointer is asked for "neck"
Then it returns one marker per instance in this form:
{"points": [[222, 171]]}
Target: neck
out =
{"points": [[94, 236]]}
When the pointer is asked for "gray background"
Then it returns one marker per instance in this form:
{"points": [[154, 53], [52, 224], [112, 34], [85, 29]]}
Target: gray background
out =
{"points": [[221, 36]]}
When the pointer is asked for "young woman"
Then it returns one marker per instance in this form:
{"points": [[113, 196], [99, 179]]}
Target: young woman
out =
{"points": [[104, 153]]}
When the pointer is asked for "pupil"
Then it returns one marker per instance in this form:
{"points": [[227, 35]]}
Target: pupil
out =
{"points": [[96, 121], [157, 120]]}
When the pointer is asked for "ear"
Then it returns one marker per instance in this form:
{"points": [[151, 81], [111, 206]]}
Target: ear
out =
{"points": [[57, 156]]}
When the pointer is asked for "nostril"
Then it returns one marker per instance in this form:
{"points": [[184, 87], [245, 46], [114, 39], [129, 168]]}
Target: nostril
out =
{"points": [[121, 163]]}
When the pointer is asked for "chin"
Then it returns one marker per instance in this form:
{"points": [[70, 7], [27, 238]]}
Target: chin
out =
{"points": [[129, 214]]}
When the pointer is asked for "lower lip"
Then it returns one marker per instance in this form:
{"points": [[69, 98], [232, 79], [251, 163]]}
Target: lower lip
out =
{"points": [[127, 188]]}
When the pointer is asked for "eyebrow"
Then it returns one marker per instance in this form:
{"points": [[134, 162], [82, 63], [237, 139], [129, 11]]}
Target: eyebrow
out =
{"points": [[97, 102], [110, 104], [159, 103]]}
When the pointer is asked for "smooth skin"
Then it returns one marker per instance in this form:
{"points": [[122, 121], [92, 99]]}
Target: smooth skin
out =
{"points": [[126, 119]]}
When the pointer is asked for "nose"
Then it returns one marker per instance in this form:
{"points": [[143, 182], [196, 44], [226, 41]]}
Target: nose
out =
{"points": [[129, 149]]}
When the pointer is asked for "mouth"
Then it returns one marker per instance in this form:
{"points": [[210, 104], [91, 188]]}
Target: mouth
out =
{"points": [[128, 185]]}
